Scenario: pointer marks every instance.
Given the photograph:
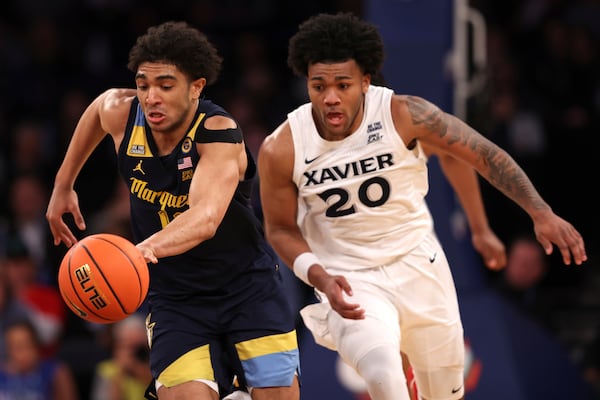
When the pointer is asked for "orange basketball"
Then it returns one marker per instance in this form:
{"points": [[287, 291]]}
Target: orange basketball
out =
{"points": [[103, 278]]}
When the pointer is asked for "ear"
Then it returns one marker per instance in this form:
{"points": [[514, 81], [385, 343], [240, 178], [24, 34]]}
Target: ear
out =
{"points": [[196, 88], [366, 82]]}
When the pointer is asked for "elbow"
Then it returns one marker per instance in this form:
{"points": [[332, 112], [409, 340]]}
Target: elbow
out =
{"points": [[268, 232], [276, 236], [209, 228]]}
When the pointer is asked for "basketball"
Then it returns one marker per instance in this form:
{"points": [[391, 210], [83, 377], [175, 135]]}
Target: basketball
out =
{"points": [[103, 278]]}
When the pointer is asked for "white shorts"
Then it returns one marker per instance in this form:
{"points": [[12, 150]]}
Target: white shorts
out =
{"points": [[410, 305]]}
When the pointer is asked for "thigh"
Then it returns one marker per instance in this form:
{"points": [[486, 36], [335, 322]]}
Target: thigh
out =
{"points": [[184, 346], [291, 392], [262, 344], [189, 390], [432, 332], [380, 327]]}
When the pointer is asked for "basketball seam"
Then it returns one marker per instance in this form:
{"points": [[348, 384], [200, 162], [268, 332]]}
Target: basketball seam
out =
{"points": [[137, 273], [108, 285], [73, 284]]}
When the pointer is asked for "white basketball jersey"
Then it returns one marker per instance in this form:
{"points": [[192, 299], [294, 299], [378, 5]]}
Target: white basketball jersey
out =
{"points": [[361, 200]]}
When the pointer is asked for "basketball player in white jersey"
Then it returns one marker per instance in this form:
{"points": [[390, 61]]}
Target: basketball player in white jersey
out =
{"points": [[343, 185]]}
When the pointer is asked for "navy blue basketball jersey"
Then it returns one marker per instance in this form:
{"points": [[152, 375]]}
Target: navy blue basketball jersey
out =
{"points": [[159, 188]]}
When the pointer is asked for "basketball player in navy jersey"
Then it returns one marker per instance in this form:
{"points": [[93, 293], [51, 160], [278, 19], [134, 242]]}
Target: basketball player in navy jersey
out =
{"points": [[216, 300], [343, 183]]}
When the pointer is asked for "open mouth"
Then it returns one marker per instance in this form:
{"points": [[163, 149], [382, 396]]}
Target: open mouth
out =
{"points": [[334, 118], [155, 117]]}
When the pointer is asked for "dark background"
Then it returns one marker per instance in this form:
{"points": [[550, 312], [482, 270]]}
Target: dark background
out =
{"points": [[540, 101]]}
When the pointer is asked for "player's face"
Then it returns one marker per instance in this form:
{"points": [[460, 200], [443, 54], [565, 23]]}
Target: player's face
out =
{"points": [[167, 97], [337, 93]]}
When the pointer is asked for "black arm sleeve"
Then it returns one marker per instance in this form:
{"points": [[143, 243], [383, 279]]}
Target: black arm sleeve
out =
{"points": [[230, 135]]}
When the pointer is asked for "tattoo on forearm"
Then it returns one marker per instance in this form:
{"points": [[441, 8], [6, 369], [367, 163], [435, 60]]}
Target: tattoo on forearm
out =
{"points": [[509, 178], [503, 172]]}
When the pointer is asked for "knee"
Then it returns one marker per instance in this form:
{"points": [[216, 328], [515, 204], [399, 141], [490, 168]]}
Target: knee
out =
{"points": [[381, 366], [380, 376]]}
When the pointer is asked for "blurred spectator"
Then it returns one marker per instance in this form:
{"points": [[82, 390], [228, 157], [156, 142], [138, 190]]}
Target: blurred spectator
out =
{"points": [[27, 374], [522, 279], [126, 374], [83, 346], [10, 309], [28, 198], [542, 102], [32, 150], [591, 364], [526, 265], [41, 302]]}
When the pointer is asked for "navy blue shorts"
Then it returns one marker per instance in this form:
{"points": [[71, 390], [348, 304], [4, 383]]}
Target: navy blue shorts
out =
{"points": [[245, 330]]}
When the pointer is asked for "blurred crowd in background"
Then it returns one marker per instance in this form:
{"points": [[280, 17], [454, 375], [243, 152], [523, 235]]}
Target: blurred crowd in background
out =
{"points": [[541, 102]]}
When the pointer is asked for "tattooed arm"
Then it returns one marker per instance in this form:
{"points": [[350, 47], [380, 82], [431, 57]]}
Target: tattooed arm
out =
{"points": [[465, 183], [416, 118]]}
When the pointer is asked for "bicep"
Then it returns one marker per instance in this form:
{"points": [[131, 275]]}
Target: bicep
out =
{"points": [[278, 193], [440, 132], [279, 203], [216, 176]]}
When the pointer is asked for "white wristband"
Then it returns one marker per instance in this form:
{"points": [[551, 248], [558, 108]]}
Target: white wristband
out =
{"points": [[302, 264]]}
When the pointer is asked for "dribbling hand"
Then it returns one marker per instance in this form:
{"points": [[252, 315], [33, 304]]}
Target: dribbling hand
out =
{"points": [[64, 201]]}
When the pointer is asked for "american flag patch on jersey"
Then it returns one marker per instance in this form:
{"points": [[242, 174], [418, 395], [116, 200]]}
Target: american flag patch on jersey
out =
{"points": [[185, 162]]}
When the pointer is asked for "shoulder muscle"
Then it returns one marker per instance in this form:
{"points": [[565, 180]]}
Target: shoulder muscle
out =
{"points": [[114, 110]]}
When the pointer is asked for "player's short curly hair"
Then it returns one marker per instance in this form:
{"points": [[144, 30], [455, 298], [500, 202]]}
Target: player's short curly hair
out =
{"points": [[327, 38], [179, 44]]}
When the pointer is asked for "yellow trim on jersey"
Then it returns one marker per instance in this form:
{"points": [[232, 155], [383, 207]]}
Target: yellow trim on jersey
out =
{"points": [[192, 133], [195, 364], [267, 345], [138, 144]]}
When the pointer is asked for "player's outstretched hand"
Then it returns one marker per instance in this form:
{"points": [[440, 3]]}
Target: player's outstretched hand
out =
{"points": [[335, 288], [64, 201], [550, 230]]}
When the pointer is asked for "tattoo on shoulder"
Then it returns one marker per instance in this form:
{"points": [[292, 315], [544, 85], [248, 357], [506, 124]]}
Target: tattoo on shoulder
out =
{"points": [[424, 113]]}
